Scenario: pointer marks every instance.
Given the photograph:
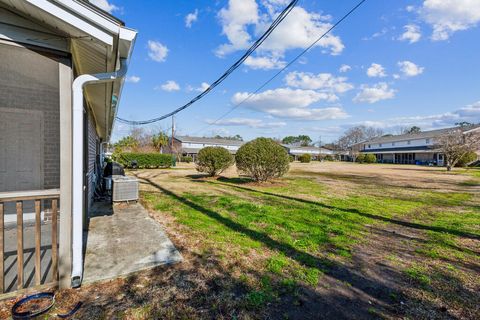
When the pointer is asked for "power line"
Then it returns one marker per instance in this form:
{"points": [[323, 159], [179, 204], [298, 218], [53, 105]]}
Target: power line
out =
{"points": [[230, 70], [285, 67]]}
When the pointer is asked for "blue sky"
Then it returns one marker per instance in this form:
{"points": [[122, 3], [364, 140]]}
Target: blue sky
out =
{"points": [[392, 64]]}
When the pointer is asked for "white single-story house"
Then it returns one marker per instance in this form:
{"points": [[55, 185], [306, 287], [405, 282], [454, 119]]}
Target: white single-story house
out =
{"points": [[315, 152], [190, 146], [62, 71], [412, 148]]}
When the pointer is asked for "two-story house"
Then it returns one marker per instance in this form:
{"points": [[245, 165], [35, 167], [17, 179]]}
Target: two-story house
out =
{"points": [[413, 148]]}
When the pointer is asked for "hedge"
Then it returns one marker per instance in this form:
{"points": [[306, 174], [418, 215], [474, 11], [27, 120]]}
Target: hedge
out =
{"points": [[186, 159], [145, 160]]}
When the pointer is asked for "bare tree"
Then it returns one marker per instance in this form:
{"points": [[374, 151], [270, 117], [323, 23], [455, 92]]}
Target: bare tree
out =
{"points": [[352, 138], [456, 143]]}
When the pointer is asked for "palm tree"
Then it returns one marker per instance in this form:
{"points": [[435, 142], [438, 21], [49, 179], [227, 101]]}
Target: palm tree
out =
{"points": [[159, 141]]}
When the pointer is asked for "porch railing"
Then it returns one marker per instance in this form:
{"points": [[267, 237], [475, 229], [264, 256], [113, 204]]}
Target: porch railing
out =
{"points": [[49, 198]]}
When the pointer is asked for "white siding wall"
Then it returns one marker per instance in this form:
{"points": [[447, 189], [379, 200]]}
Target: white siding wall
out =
{"points": [[399, 144], [203, 145]]}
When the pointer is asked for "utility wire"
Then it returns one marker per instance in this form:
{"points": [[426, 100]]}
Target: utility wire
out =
{"points": [[284, 68], [237, 64]]}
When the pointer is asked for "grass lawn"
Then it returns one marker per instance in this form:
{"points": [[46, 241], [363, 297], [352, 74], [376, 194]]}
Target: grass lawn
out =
{"points": [[329, 240]]}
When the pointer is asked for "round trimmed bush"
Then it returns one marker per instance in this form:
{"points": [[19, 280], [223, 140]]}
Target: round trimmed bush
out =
{"points": [[360, 158], [213, 160], [305, 158], [329, 157], [370, 158], [262, 159]]}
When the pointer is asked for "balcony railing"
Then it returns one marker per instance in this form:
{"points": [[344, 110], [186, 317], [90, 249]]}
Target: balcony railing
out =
{"points": [[49, 199]]}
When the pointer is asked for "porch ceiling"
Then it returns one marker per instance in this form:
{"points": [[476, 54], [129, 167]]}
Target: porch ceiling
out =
{"points": [[95, 40]]}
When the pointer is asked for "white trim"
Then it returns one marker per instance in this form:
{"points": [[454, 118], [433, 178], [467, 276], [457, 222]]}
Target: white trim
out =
{"points": [[73, 20]]}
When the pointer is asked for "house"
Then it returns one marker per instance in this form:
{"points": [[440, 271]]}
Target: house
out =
{"points": [[190, 146], [412, 148], [316, 152], [62, 71]]}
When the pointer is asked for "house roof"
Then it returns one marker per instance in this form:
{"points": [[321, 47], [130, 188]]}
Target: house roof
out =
{"points": [[304, 149], [421, 135], [95, 39], [209, 140]]}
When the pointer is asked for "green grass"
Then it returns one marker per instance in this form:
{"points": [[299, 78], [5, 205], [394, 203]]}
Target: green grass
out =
{"points": [[299, 228]]}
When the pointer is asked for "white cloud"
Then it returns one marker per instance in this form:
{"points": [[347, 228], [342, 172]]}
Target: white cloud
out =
{"points": [[412, 33], [375, 93], [132, 79], [291, 103], [105, 5], [265, 63], [410, 69], [469, 113], [248, 122], [376, 70], [322, 81], [242, 20], [376, 34], [169, 86], [235, 19], [410, 8], [449, 16], [191, 18], [345, 68], [203, 86], [157, 51]]}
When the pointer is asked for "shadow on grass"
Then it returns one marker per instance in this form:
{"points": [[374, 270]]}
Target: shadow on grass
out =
{"points": [[369, 287], [368, 215]]}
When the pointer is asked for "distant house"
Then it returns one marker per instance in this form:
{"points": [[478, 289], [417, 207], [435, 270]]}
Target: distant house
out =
{"points": [[62, 70], [315, 152], [413, 148], [190, 146]]}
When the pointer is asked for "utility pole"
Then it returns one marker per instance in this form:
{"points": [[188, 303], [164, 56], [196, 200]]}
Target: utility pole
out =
{"points": [[173, 133]]}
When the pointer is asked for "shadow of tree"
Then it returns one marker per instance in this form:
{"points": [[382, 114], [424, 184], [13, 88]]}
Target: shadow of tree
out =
{"points": [[365, 214]]}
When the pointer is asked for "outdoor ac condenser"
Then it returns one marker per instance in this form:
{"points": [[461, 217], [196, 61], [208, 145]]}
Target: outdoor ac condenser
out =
{"points": [[124, 188]]}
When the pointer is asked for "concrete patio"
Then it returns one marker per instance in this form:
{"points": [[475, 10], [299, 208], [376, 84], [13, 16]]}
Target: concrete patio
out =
{"points": [[123, 239]]}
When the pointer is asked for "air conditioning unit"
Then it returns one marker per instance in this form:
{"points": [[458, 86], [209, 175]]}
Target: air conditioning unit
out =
{"points": [[124, 188]]}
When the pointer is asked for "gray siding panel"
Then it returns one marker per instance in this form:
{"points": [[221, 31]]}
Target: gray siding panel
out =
{"points": [[92, 149]]}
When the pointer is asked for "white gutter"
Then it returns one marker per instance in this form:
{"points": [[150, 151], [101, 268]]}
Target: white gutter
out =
{"points": [[77, 180]]}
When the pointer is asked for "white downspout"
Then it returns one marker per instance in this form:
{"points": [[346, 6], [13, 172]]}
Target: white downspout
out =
{"points": [[77, 164]]}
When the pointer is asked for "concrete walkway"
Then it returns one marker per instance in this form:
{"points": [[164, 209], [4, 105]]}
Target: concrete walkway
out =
{"points": [[123, 239]]}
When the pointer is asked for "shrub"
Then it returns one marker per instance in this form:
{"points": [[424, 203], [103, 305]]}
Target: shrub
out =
{"points": [[262, 159], [186, 159], [305, 158], [328, 157], [292, 158], [370, 158], [213, 160], [466, 159], [145, 160], [360, 158]]}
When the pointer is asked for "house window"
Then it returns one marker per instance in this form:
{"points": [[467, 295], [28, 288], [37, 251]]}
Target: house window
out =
{"points": [[408, 142], [380, 145], [427, 141], [368, 146], [393, 143]]}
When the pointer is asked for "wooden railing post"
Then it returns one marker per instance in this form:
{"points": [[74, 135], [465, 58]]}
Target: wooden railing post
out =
{"points": [[54, 240], [19, 197], [19, 245], [38, 242], [2, 248]]}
